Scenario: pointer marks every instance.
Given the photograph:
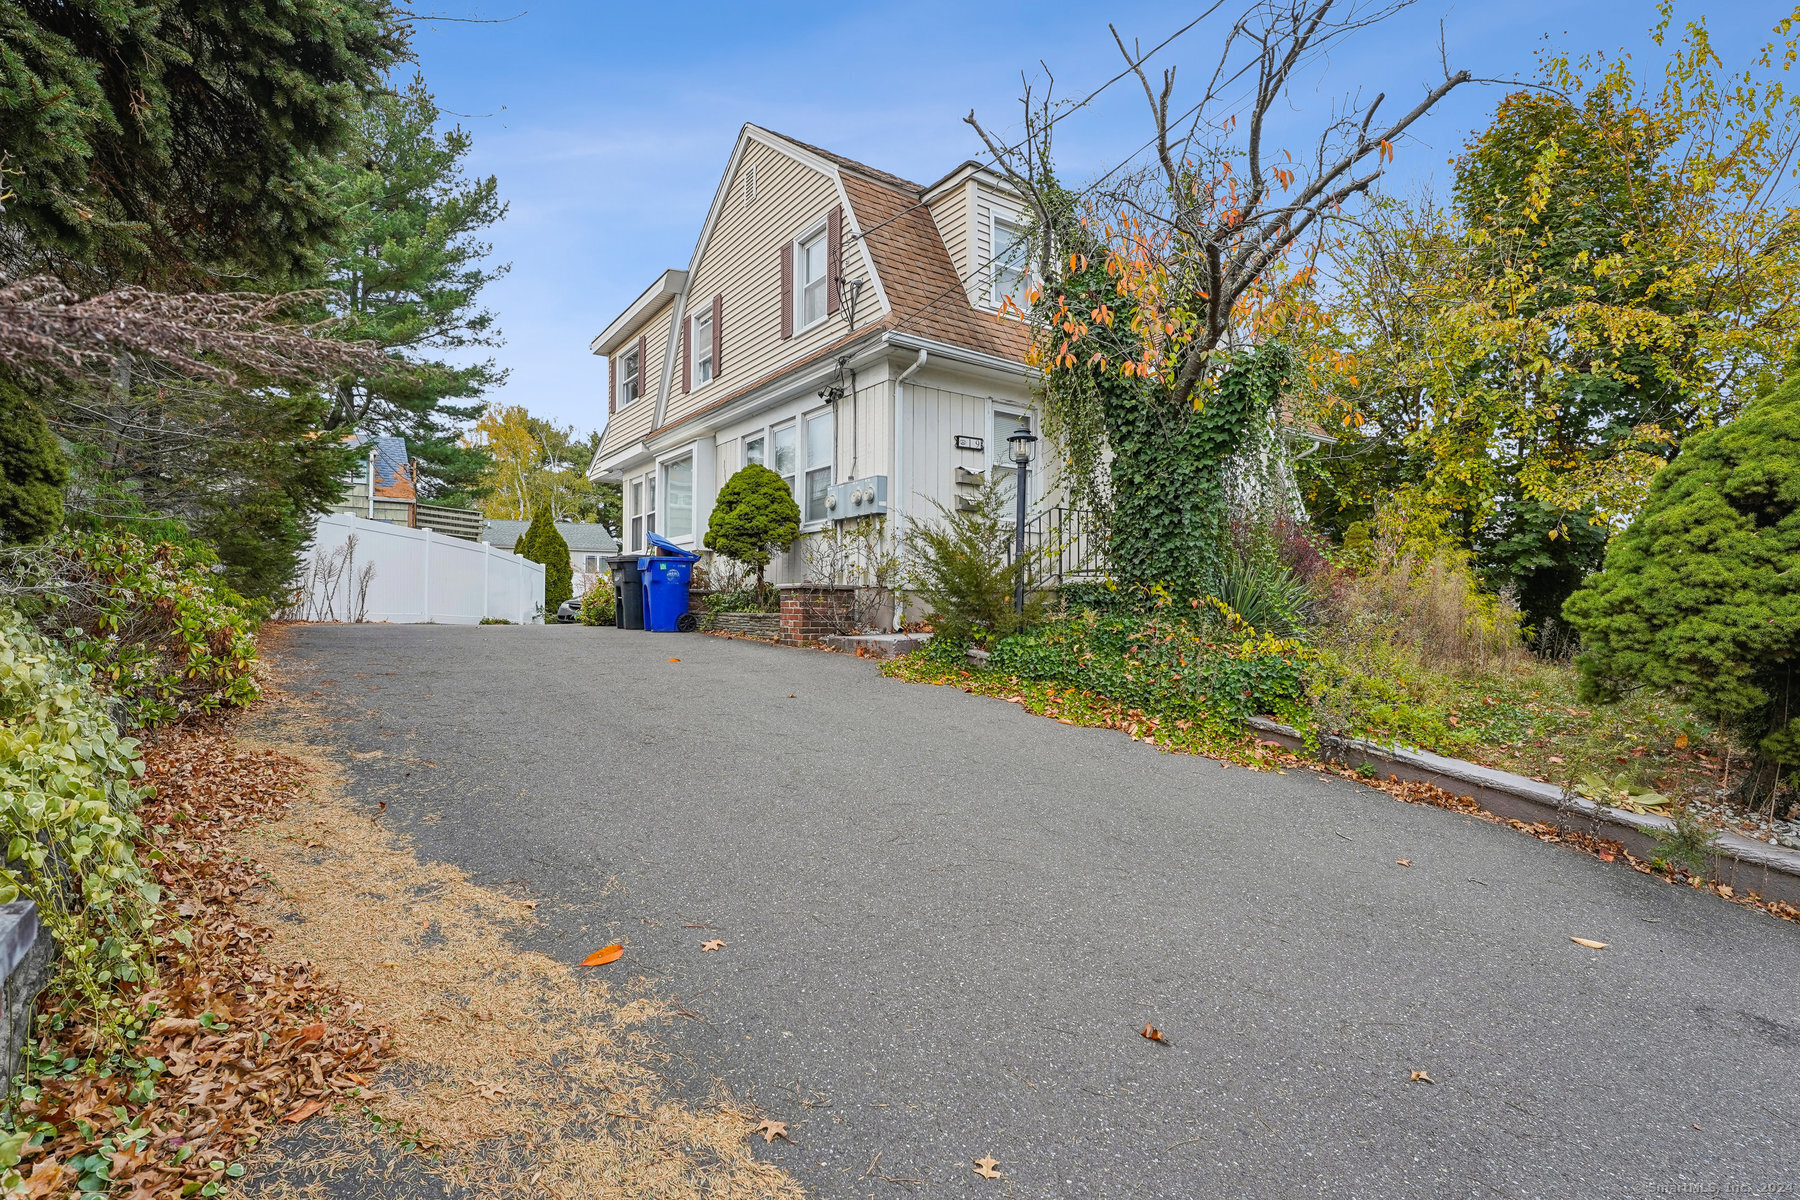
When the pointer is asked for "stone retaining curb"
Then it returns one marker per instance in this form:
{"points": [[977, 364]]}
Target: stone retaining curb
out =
{"points": [[1746, 865]]}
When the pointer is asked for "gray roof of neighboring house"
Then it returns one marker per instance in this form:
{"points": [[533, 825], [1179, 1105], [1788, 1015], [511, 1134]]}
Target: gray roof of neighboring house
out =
{"points": [[583, 538], [391, 462]]}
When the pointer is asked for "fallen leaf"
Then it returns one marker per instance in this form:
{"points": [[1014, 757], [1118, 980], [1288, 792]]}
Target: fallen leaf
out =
{"points": [[1589, 943], [1555, 759], [1701, 1130], [1681, 743], [712, 944], [313, 1033], [1727, 891], [1154, 1034], [1405, 862], [489, 1091], [604, 955], [771, 1130], [304, 1111], [1420, 1077], [988, 1168], [674, 660]]}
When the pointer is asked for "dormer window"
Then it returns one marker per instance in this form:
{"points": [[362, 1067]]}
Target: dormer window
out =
{"points": [[629, 377], [815, 258], [1012, 270]]}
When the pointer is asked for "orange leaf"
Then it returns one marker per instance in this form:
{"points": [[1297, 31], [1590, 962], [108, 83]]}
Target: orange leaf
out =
{"points": [[604, 955], [313, 1033], [1153, 1034], [304, 1111]]}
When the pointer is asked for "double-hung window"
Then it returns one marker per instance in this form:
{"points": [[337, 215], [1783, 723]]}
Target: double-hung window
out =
{"points": [[753, 450], [629, 377], [637, 515], [821, 441], [678, 498], [1006, 472], [815, 264], [1012, 271], [703, 348], [787, 453]]}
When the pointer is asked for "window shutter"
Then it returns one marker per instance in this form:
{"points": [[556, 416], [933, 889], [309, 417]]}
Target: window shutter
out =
{"points": [[834, 257], [644, 370], [687, 358], [787, 290], [612, 384], [718, 334]]}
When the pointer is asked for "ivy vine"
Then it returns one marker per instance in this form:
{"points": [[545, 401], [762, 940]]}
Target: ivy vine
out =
{"points": [[1156, 473]]}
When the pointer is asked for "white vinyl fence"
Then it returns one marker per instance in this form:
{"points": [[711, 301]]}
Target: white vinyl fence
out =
{"points": [[356, 569]]}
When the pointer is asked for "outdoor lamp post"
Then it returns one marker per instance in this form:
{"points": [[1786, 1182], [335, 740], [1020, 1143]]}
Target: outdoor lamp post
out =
{"points": [[1021, 440]]}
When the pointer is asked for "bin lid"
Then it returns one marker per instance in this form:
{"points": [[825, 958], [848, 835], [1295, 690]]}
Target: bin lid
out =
{"points": [[671, 549]]}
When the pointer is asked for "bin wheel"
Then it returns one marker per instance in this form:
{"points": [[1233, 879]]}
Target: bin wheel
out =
{"points": [[686, 623]]}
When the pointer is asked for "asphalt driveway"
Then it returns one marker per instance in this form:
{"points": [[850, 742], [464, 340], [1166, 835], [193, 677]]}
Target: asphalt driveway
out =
{"points": [[947, 921]]}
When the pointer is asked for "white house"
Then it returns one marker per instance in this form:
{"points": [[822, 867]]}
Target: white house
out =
{"points": [[835, 323]]}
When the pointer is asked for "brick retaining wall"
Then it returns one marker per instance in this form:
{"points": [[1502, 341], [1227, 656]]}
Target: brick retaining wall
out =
{"points": [[814, 612]]}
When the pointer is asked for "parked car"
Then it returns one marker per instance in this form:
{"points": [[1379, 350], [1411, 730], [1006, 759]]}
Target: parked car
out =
{"points": [[569, 611]]}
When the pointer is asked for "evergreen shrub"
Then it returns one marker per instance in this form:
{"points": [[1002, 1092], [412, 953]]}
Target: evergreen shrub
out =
{"points": [[1700, 596], [753, 519]]}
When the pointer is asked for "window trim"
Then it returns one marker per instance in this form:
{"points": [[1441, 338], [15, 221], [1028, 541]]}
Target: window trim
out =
{"points": [[996, 218], [631, 386], [661, 471], [818, 232], [807, 466], [700, 348], [759, 434], [634, 522]]}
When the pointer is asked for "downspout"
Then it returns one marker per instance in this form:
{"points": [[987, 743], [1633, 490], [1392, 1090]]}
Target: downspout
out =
{"points": [[372, 453], [897, 493]]}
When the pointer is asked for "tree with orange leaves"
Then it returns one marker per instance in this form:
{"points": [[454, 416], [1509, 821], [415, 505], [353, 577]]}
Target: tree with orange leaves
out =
{"points": [[1163, 287]]}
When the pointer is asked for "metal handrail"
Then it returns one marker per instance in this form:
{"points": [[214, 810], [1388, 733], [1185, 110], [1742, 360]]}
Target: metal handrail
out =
{"points": [[1067, 544]]}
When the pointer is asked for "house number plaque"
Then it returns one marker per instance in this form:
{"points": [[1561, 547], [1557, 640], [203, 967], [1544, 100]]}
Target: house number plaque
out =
{"points": [[965, 442]]}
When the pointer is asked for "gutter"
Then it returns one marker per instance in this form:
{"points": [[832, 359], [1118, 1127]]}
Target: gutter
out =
{"points": [[896, 489]]}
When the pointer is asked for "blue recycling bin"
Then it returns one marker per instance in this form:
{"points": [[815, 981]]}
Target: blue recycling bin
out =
{"points": [[666, 575]]}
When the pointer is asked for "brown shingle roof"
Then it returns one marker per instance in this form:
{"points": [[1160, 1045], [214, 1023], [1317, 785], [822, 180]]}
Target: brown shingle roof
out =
{"points": [[850, 164], [922, 286]]}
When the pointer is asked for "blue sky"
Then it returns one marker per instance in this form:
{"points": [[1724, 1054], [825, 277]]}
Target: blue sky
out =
{"points": [[609, 124]]}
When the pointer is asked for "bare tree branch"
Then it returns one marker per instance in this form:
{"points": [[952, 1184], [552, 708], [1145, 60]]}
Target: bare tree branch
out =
{"points": [[48, 330]]}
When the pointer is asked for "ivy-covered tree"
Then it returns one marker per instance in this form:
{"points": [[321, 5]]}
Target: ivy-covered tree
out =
{"points": [[1159, 294], [33, 470], [753, 519], [409, 267], [1698, 595]]}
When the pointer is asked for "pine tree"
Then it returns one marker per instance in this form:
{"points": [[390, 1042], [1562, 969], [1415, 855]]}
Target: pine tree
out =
{"points": [[168, 141], [543, 544], [411, 266]]}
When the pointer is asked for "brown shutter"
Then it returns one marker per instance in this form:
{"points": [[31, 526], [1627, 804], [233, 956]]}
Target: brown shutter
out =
{"points": [[718, 345], [643, 369], [834, 257], [787, 290], [612, 384], [687, 359]]}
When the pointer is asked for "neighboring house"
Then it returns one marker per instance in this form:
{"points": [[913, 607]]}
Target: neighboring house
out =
{"points": [[384, 484], [836, 324], [589, 547]]}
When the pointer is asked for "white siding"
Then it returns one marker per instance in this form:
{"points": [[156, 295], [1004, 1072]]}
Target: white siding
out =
{"points": [[986, 204], [953, 212]]}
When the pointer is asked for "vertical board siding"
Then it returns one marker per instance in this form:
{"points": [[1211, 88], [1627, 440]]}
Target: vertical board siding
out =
{"points": [[742, 263]]}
